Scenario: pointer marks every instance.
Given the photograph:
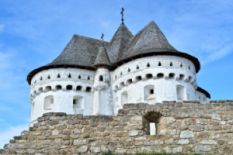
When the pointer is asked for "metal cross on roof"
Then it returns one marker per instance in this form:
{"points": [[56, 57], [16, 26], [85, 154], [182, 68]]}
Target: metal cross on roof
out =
{"points": [[102, 37], [122, 15]]}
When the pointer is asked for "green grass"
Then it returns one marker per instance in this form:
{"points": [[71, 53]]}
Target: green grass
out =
{"points": [[153, 153]]}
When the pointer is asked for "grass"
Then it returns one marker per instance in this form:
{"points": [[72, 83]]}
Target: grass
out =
{"points": [[153, 153]]}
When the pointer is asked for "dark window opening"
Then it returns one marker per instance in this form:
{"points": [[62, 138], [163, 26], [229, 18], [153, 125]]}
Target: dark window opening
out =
{"points": [[171, 75], [129, 70], [88, 78], [48, 88], [88, 89], [171, 64], [69, 87], [129, 81], [78, 88], [159, 64], [58, 87], [137, 67], [41, 78], [138, 78], [79, 77], [48, 77], [101, 78], [69, 76], [181, 76], [149, 76], [151, 91], [148, 65], [181, 65], [58, 75], [160, 75]]}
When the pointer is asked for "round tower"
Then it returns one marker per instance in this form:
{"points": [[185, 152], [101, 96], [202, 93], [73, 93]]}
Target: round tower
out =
{"points": [[102, 97]]}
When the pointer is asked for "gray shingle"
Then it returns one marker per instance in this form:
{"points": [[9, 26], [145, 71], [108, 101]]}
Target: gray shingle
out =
{"points": [[102, 58]]}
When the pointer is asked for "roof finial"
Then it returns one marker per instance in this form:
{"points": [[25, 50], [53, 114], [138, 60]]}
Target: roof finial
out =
{"points": [[122, 15], [102, 37]]}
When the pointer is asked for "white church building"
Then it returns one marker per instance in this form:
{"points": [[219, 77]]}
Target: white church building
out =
{"points": [[96, 77]]}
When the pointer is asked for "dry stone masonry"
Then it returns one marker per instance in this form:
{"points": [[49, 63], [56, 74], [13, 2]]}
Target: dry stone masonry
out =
{"points": [[180, 128]]}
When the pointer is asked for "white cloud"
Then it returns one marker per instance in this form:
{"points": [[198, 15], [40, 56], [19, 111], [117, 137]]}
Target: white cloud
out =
{"points": [[218, 54], [9, 133]]}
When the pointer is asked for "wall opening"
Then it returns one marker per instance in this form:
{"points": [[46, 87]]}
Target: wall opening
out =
{"points": [[138, 78], [159, 64], [124, 97], [101, 78], [48, 102], [149, 93], [160, 75], [69, 87], [69, 76], [58, 87], [48, 88], [181, 77], [129, 81], [149, 76], [77, 104], [148, 65], [79, 88], [151, 123], [58, 75], [180, 92], [171, 75], [88, 89]]}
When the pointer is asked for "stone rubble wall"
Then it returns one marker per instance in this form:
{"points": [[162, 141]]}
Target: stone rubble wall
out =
{"points": [[183, 127]]}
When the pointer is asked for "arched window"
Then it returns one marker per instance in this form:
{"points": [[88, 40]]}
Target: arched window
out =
{"points": [[41, 78], [48, 88], [121, 73], [79, 88], [101, 78], [69, 87], [58, 75], [77, 104], [160, 75], [129, 81], [69, 76], [58, 87], [137, 67], [48, 77], [124, 97], [48, 102], [79, 77], [138, 78], [88, 77], [180, 92], [149, 93], [171, 75], [129, 70], [149, 76], [88, 89], [151, 123], [181, 65], [159, 64], [148, 64]]}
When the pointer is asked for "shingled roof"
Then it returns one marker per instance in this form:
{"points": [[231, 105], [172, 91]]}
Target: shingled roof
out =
{"points": [[102, 58], [82, 52]]}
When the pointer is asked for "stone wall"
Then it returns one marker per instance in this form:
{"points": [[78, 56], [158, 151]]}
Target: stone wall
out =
{"points": [[182, 127]]}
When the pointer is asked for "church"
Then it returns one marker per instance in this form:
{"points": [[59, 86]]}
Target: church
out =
{"points": [[97, 77]]}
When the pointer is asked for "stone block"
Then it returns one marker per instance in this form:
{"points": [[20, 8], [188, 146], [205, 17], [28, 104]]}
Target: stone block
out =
{"points": [[82, 149], [183, 141], [208, 142], [133, 133], [186, 134]]}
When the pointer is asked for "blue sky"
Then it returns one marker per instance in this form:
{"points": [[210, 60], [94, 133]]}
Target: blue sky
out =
{"points": [[32, 33]]}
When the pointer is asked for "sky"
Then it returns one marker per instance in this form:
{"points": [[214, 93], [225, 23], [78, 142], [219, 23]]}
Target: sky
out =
{"points": [[33, 33]]}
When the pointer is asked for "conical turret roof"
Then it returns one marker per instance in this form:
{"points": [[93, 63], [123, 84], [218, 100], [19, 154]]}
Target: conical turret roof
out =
{"points": [[149, 39], [119, 42], [102, 58]]}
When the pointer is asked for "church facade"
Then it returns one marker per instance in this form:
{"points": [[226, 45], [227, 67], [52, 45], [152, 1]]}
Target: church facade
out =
{"points": [[96, 77]]}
